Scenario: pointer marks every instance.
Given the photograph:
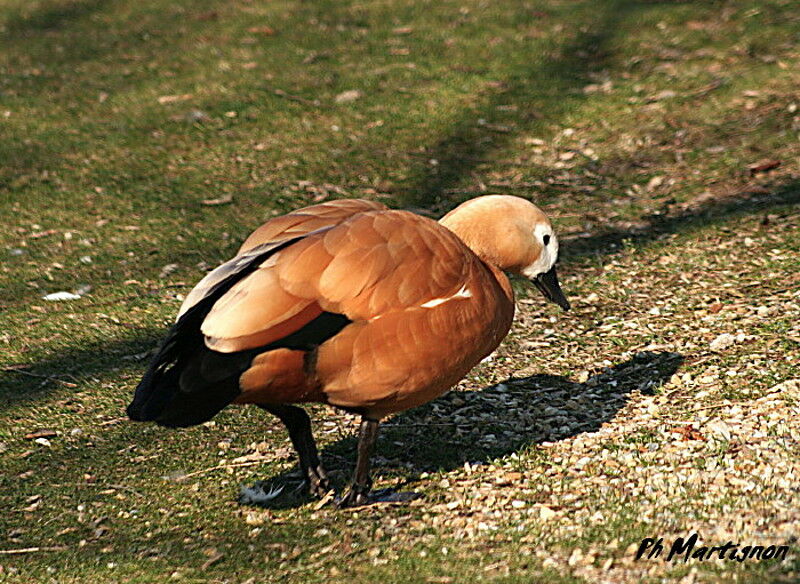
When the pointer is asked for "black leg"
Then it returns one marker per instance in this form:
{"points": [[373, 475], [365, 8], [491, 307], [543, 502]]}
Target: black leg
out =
{"points": [[298, 423], [359, 493]]}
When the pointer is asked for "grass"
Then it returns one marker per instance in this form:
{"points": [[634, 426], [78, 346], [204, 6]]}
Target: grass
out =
{"points": [[633, 123]]}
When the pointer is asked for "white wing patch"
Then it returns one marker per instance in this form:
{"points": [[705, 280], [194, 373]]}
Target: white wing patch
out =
{"points": [[462, 293]]}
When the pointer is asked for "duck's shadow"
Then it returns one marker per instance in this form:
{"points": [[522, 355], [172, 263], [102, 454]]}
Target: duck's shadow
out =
{"points": [[478, 426]]}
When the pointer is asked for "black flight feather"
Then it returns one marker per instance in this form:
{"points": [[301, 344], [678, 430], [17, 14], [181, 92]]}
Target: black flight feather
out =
{"points": [[187, 383]]}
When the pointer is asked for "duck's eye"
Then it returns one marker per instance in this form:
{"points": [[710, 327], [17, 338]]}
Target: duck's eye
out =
{"points": [[546, 239]]}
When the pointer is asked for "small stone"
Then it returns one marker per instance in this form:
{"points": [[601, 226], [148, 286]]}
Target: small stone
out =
{"points": [[167, 270], [575, 557], [655, 182], [196, 116], [546, 513], [348, 96], [722, 342]]}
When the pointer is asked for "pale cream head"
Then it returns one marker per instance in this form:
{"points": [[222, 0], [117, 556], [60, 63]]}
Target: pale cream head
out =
{"points": [[509, 232], [512, 234]]}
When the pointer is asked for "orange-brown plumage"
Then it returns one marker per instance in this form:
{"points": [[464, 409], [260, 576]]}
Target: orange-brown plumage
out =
{"points": [[354, 305], [307, 220], [277, 377], [378, 269]]}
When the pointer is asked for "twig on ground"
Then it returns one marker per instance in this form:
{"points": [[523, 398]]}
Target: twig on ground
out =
{"points": [[101, 485], [220, 467], [113, 421], [32, 550], [712, 407], [19, 371], [297, 98]]}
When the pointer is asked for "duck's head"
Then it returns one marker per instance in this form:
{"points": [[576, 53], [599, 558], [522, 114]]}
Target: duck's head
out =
{"points": [[512, 234]]}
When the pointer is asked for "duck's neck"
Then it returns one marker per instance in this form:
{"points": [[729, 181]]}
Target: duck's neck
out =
{"points": [[498, 244], [484, 245], [502, 281]]}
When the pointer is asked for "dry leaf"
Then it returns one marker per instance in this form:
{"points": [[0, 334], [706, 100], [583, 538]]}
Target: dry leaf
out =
{"points": [[265, 30], [214, 556], [166, 99], [662, 95], [689, 432], [348, 96], [764, 166], [40, 234], [43, 433], [223, 200]]}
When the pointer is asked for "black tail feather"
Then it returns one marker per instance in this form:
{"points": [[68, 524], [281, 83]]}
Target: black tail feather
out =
{"points": [[187, 383], [167, 397], [173, 391]]}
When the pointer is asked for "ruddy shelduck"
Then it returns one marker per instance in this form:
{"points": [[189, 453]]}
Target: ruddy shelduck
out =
{"points": [[350, 304]]}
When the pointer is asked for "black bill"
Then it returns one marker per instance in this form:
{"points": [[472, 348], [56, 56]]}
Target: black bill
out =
{"points": [[547, 283]]}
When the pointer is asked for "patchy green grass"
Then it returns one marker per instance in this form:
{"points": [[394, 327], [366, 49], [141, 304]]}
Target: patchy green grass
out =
{"points": [[651, 132]]}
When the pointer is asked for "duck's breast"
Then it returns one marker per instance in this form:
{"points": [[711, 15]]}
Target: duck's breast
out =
{"points": [[408, 356]]}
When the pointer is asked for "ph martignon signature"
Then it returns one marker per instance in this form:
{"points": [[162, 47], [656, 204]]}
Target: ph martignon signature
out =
{"points": [[686, 549]]}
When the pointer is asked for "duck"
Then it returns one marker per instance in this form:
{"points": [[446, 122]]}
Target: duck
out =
{"points": [[351, 304]]}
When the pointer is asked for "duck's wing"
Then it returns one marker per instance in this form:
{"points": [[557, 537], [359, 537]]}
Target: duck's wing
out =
{"points": [[308, 219], [275, 231], [371, 265]]}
